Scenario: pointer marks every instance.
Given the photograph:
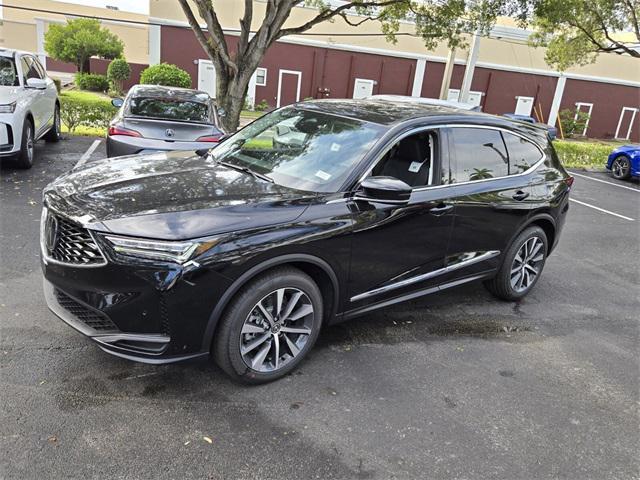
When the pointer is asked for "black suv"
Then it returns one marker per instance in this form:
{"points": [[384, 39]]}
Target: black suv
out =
{"points": [[312, 214]]}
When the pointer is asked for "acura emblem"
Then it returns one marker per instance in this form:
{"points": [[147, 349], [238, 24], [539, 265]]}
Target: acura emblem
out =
{"points": [[169, 132], [51, 235]]}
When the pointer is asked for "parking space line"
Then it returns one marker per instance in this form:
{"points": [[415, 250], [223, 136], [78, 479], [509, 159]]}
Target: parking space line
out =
{"points": [[604, 181], [85, 156], [601, 210]]}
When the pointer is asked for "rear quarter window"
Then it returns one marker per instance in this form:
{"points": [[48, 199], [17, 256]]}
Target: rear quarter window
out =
{"points": [[522, 153]]}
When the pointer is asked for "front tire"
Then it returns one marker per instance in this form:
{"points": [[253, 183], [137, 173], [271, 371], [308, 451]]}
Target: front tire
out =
{"points": [[621, 167], [269, 327], [24, 159], [53, 135], [522, 265]]}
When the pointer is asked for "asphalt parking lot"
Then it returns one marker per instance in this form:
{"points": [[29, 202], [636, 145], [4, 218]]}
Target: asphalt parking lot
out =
{"points": [[456, 385]]}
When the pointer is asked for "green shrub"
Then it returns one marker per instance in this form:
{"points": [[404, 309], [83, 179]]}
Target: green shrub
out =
{"points": [[578, 154], [263, 106], [85, 110], [573, 122], [117, 72], [92, 82], [166, 74]]}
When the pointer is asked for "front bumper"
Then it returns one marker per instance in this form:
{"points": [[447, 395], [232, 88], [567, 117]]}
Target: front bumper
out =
{"points": [[120, 145], [10, 134]]}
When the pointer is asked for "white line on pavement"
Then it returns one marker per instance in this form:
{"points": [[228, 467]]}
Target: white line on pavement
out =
{"points": [[85, 156], [604, 181], [601, 209]]}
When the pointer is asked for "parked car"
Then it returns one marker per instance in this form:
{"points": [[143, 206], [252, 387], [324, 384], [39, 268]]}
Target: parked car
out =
{"points": [[553, 131], [624, 162], [155, 118], [29, 106], [248, 250], [436, 102]]}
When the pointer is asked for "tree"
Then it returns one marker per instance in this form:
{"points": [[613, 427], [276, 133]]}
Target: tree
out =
{"points": [[79, 40], [117, 72], [576, 31], [435, 20]]}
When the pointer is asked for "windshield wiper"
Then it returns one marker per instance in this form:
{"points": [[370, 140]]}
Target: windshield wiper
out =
{"points": [[240, 168]]}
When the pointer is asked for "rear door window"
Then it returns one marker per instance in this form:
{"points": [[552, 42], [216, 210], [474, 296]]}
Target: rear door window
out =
{"points": [[169, 109], [522, 153], [480, 154]]}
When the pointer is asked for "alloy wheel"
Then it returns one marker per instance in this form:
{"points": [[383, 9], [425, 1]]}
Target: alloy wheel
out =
{"points": [[29, 143], [620, 167], [276, 330], [527, 264]]}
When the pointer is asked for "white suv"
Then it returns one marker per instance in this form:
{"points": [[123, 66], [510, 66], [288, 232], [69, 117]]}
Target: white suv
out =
{"points": [[29, 106]]}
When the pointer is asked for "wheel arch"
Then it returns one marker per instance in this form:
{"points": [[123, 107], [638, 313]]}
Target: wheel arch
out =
{"points": [[318, 269], [544, 221]]}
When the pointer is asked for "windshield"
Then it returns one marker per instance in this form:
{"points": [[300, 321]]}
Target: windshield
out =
{"points": [[300, 149], [169, 109], [8, 75]]}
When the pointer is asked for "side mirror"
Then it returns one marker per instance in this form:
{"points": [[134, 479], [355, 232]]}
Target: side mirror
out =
{"points": [[384, 190], [37, 83], [117, 102]]}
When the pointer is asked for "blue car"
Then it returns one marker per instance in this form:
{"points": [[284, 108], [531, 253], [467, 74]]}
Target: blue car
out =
{"points": [[624, 162]]}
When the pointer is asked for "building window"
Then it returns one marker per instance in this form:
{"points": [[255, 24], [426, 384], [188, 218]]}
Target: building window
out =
{"points": [[261, 77]]}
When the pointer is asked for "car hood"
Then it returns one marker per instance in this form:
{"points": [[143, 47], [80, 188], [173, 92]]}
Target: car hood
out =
{"points": [[171, 196], [9, 94]]}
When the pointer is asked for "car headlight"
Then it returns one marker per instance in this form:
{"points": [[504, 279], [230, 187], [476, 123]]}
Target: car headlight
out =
{"points": [[178, 252], [8, 108]]}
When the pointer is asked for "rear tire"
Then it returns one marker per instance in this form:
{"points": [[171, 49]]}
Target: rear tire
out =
{"points": [[53, 135], [24, 159], [259, 338], [621, 167], [522, 265]]}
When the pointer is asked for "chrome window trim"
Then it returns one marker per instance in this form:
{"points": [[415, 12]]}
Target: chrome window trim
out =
{"points": [[43, 249], [462, 125], [425, 276]]}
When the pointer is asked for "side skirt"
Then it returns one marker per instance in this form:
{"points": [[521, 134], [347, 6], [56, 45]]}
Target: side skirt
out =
{"points": [[410, 296]]}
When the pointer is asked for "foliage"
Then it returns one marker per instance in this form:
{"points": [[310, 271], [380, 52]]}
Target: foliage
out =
{"points": [[263, 106], [118, 71], [80, 39], [86, 110], [92, 82], [434, 20], [166, 74], [573, 122], [578, 154], [576, 31]]}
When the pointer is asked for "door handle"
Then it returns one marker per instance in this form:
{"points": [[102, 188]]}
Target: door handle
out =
{"points": [[520, 195], [441, 209]]}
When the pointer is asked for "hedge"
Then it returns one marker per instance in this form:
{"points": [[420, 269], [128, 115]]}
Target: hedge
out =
{"points": [[583, 154], [86, 110], [166, 74], [92, 82]]}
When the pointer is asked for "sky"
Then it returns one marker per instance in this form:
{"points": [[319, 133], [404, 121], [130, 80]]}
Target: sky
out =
{"points": [[137, 6]]}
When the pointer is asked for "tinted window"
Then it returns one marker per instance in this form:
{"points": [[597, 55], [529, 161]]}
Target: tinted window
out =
{"points": [[301, 149], [522, 153], [8, 75], [479, 154], [169, 109]]}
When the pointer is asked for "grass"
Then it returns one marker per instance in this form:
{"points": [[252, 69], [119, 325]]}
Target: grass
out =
{"points": [[251, 114], [84, 95], [584, 153], [83, 131]]}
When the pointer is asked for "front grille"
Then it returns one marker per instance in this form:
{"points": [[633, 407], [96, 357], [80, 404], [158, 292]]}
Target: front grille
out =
{"points": [[91, 318], [69, 243]]}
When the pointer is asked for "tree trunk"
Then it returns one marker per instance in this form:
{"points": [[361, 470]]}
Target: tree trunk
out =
{"points": [[231, 94]]}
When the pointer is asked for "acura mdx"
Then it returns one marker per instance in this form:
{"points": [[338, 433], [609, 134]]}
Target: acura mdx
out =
{"points": [[313, 214]]}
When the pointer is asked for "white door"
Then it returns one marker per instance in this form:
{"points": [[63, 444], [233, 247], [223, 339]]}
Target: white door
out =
{"points": [[585, 108], [207, 77], [625, 123], [363, 88], [524, 106]]}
